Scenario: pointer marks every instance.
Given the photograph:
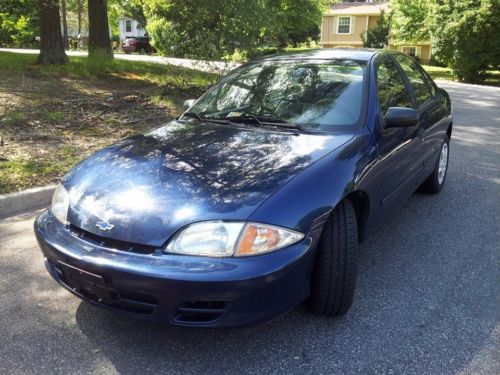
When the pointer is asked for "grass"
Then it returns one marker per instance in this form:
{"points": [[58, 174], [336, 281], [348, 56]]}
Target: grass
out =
{"points": [[51, 117], [20, 173], [438, 72], [83, 68]]}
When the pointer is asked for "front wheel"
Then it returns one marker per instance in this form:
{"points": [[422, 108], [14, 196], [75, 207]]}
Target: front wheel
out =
{"points": [[334, 277], [435, 181]]}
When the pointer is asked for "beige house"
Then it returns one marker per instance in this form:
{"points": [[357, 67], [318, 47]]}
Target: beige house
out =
{"points": [[344, 23]]}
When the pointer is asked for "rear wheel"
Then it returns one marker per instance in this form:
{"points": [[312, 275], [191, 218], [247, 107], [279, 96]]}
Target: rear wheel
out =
{"points": [[435, 181], [334, 277]]}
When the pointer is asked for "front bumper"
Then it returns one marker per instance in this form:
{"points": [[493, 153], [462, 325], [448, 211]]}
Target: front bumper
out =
{"points": [[176, 289]]}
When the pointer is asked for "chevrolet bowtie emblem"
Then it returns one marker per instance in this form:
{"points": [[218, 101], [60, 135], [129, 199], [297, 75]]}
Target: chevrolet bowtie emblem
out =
{"points": [[104, 225]]}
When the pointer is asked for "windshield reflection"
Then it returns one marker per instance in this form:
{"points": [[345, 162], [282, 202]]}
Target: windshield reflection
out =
{"points": [[318, 93]]}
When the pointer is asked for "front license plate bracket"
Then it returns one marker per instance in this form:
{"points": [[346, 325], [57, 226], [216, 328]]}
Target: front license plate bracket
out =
{"points": [[89, 284]]}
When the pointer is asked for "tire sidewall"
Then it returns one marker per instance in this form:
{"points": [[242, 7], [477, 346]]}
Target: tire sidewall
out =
{"points": [[436, 169]]}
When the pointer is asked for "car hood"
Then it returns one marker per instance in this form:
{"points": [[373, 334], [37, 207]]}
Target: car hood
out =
{"points": [[149, 186]]}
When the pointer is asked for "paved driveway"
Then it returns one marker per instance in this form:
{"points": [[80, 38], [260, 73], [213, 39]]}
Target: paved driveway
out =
{"points": [[428, 298]]}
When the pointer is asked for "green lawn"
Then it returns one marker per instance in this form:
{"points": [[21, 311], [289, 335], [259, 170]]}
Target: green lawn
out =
{"points": [[438, 72], [83, 68]]}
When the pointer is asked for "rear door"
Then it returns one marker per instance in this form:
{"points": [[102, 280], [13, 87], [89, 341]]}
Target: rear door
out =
{"points": [[400, 149], [430, 105]]}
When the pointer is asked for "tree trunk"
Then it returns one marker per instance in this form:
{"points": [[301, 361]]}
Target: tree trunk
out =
{"points": [[99, 41], [65, 24], [51, 42], [79, 11]]}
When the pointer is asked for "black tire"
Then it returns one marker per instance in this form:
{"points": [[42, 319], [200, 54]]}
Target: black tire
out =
{"points": [[335, 270], [127, 52], [434, 184]]}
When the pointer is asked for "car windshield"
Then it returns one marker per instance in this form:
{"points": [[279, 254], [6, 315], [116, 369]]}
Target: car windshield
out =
{"points": [[324, 94]]}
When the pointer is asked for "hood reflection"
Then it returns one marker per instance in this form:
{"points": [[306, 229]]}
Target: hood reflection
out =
{"points": [[152, 184]]}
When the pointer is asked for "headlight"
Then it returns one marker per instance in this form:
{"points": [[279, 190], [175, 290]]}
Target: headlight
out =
{"points": [[220, 239], [60, 203]]}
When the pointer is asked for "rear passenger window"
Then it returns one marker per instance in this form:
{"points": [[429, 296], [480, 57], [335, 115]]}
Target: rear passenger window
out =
{"points": [[423, 91], [391, 88]]}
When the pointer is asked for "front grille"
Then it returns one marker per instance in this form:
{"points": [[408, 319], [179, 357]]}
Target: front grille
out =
{"points": [[201, 312], [111, 243]]}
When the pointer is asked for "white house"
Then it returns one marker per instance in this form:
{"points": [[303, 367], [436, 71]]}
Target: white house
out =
{"points": [[129, 27]]}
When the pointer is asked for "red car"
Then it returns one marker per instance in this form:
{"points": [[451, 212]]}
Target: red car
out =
{"points": [[138, 44]]}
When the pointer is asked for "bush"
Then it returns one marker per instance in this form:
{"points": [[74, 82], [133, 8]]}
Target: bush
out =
{"points": [[378, 36]]}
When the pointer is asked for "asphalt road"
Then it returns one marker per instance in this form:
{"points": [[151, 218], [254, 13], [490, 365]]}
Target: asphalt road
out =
{"points": [[427, 302]]}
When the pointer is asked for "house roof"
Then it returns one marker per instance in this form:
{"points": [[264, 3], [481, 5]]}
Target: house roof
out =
{"points": [[357, 8]]}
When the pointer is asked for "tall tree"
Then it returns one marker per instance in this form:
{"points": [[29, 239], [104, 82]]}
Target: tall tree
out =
{"points": [[79, 13], [64, 24], [466, 36], [99, 40], [51, 42]]}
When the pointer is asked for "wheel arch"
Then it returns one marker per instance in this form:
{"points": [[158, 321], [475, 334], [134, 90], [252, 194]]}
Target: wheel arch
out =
{"points": [[450, 130], [361, 203]]}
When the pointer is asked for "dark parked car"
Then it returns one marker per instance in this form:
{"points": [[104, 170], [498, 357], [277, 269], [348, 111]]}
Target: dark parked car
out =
{"points": [[255, 199], [138, 44]]}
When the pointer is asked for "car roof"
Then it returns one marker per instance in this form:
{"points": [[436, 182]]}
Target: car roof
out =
{"points": [[363, 54]]}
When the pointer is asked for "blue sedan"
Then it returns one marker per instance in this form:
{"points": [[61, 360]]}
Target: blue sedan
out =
{"points": [[255, 199]]}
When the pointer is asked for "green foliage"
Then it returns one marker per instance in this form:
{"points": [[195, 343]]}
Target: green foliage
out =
{"points": [[378, 36], [19, 22], [466, 36], [293, 22], [130, 8], [410, 20], [213, 29], [203, 29]]}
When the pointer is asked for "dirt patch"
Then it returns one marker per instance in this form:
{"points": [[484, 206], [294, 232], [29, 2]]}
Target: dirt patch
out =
{"points": [[48, 124]]}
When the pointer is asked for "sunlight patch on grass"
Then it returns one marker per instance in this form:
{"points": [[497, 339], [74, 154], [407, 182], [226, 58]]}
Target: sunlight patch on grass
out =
{"points": [[21, 173]]}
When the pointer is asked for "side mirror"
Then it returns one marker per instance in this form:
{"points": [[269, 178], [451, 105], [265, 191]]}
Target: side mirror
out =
{"points": [[399, 117], [189, 103]]}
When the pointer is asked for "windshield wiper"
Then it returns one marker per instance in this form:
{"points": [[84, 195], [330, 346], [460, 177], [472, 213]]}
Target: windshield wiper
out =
{"points": [[201, 118], [267, 121], [193, 115]]}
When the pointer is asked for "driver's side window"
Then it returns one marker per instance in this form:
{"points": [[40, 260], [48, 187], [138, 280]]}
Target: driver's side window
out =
{"points": [[391, 88]]}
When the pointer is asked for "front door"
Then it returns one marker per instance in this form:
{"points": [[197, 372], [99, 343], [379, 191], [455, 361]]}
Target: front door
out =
{"points": [[430, 105], [400, 149]]}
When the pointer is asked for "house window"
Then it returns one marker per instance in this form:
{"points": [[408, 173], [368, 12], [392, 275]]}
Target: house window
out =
{"points": [[410, 51], [344, 25], [128, 26]]}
